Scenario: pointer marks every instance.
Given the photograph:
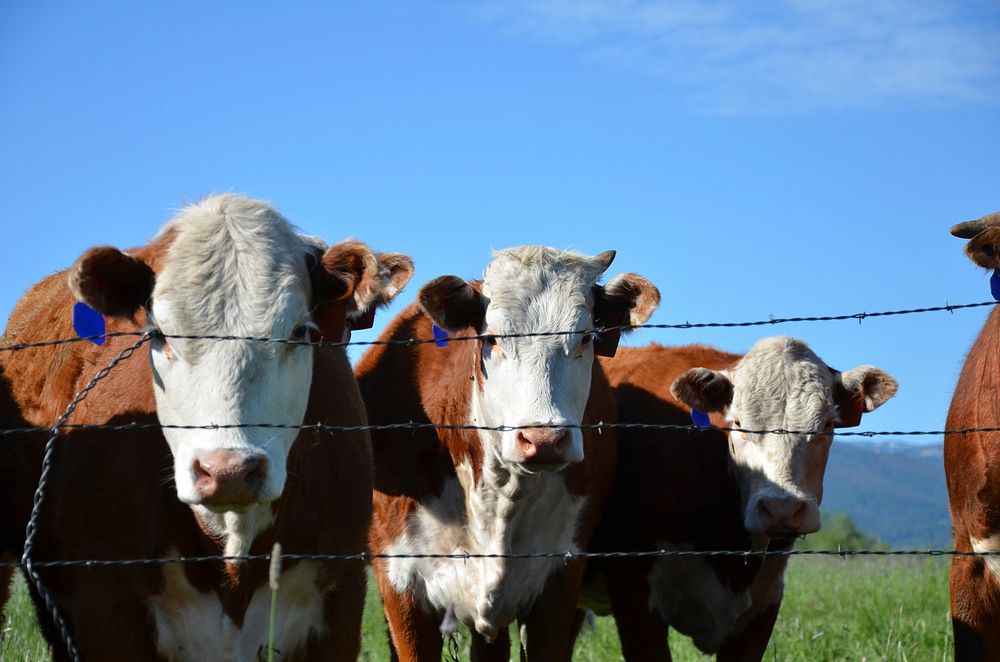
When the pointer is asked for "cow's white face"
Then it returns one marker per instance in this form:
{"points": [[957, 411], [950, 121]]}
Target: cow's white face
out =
{"points": [[235, 268], [780, 384], [537, 381], [541, 380]]}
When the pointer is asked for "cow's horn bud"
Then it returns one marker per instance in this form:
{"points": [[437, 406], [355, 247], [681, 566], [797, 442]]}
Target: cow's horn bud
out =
{"points": [[970, 229]]}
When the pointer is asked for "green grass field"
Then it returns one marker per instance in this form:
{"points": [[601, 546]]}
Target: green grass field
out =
{"points": [[855, 609]]}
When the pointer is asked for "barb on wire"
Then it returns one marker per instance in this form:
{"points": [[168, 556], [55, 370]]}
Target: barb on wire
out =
{"points": [[368, 556], [771, 321], [31, 531], [413, 426]]}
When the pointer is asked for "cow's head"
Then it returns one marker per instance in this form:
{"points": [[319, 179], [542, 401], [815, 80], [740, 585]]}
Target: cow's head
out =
{"points": [[235, 267], [780, 384], [984, 240], [543, 381]]}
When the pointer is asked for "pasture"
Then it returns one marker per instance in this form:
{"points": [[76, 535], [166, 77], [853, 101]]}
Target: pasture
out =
{"points": [[854, 609]]}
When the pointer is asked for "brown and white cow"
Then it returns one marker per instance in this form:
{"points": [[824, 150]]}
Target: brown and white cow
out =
{"points": [[224, 266], [495, 492], [716, 490], [972, 470]]}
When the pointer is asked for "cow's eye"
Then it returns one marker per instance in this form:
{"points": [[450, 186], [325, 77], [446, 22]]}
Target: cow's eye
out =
{"points": [[491, 341], [585, 340], [299, 332], [160, 344]]}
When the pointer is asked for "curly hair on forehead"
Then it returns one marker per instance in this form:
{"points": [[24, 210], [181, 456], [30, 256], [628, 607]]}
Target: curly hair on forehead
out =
{"points": [[545, 260], [782, 381], [540, 288], [233, 266]]}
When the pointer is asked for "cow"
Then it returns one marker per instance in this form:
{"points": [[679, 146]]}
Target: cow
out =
{"points": [[536, 488], [972, 471], [691, 490], [225, 266]]}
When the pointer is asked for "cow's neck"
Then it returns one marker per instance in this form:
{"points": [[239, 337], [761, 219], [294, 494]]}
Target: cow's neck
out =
{"points": [[501, 500], [235, 532]]}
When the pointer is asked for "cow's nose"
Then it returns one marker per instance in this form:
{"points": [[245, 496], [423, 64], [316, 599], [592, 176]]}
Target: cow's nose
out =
{"points": [[543, 445], [785, 517], [228, 478]]}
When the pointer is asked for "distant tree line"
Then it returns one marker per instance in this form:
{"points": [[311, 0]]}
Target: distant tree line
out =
{"points": [[840, 532]]}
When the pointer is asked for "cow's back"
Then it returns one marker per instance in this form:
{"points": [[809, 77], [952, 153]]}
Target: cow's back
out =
{"points": [[42, 378]]}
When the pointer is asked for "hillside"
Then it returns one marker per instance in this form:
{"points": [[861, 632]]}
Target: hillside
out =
{"points": [[893, 491]]}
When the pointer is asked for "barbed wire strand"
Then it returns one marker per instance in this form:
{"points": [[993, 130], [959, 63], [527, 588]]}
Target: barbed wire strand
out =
{"points": [[414, 426], [537, 334], [31, 531], [462, 556]]}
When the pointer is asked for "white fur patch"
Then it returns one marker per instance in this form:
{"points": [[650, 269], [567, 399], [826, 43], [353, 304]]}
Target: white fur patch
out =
{"points": [[191, 625], [519, 514], [687, 594], [991, 544], [236, 530]]}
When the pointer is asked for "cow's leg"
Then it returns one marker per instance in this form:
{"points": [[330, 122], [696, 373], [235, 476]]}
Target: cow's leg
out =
{"points": [[751, 644], [975, 594], [549, 626], [414, 633], [969, 641], [393, 655], [578, 620], [642, 632], [6, 575], [344, 608], [496, 651]]}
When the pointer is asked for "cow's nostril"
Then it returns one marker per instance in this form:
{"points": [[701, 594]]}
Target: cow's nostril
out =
{"points": [[255, 474], [199, 471]]}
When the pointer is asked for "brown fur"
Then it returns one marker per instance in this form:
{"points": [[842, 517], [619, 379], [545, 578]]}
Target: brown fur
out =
{"points": [[111, 494], [426, 383], [972, 469]]}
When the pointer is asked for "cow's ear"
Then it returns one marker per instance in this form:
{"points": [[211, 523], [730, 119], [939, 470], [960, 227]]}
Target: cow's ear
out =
{"points": [[626, 300], [859, 391], [453, 304], [394, 272], [113, 283], [358, 280], [347, 270], [397, 270], [703, 389], [984, 248]]}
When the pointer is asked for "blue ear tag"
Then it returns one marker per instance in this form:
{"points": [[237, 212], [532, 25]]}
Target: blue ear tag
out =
{"points": [[700, 419], [995, 284], [88, 322], [440, 336]]}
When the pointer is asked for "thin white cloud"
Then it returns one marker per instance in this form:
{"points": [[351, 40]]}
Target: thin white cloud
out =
{"points": [[788, 56]]}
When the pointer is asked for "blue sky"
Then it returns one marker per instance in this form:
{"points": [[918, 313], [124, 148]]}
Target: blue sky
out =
{"points": [[803, 158]]}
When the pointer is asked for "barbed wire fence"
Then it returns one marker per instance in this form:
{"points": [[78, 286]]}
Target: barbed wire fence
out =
{"points": [[30, 566]]}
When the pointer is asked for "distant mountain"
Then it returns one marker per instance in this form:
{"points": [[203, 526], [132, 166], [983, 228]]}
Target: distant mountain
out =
{"points": [[893, 491]]}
